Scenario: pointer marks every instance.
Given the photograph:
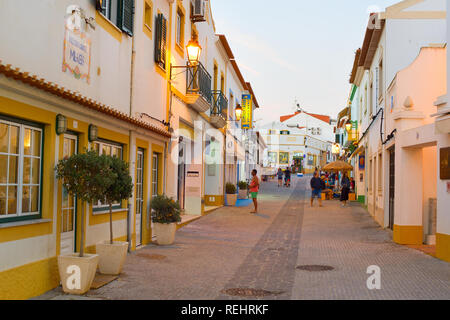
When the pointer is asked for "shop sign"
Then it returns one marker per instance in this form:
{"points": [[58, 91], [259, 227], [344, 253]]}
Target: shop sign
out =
{"points": [[362, 162], [247, 112], [77, 54]]}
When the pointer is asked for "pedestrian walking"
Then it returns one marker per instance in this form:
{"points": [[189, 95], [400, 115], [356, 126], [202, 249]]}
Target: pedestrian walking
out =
{"points": [[280, 177], [316, 186], [345, 183], [287, 174], [254, 189]]}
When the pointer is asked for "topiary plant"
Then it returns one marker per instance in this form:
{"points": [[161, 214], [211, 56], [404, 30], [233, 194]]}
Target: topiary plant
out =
{"points": [[243, 185], [121, 189], [86, 176], [165, 210], [230, 188]]}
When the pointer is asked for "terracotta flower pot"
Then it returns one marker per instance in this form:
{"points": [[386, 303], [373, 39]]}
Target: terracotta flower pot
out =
{"points": [[112, 256], [231, 199], [165, 233], [77, 273]]}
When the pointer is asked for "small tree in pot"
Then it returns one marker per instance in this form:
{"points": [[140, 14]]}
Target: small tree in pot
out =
{"points": [[231, 194], [165, 216], [86, 176], [113, 254], [243, 190]]}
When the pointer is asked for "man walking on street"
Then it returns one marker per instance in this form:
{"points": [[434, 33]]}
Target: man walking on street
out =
{"points": [[254, 189], [316, 186], [287, 174], [280, 177]]}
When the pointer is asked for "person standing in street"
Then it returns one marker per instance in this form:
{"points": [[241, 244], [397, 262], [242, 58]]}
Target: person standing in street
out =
{"points": [[254, 189], [345, 183], [280, 177], [316, 186]]}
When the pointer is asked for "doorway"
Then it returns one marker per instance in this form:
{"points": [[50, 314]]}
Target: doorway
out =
{"points": [[69, 203], [391, 187], [139, 195], [181, 173]]}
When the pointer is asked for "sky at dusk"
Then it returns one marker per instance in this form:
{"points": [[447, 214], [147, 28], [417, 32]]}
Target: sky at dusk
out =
{"points": [[296, 49]]}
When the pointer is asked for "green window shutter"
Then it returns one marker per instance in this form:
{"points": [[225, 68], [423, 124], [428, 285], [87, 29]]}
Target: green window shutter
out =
{"points": [[126, 16], [160, 41]]}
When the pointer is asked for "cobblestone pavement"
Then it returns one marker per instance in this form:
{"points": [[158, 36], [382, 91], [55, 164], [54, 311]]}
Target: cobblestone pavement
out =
{"points": [[232, 249]]}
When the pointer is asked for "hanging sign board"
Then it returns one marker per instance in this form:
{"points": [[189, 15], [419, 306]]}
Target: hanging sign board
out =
{"points": [[247, 112], [77, 54]]}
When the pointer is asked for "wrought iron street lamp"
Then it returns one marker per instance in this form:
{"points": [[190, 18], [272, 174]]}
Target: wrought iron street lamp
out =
{"points": [[194, 50]]}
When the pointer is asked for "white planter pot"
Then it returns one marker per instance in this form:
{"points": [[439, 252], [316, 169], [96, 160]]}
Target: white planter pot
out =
{"points": [[231, 199], [77, 273], [165, 233], [243, 194], [112, 257]]}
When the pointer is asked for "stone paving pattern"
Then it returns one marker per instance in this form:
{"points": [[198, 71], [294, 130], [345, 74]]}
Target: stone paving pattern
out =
{"points": [[230, 248]]}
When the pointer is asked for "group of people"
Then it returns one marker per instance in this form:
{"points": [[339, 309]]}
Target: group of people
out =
{"points": [[326, 183], [287, 177]]}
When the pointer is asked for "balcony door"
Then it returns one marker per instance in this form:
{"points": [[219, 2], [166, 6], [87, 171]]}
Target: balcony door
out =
{"points": [[68, 206]]}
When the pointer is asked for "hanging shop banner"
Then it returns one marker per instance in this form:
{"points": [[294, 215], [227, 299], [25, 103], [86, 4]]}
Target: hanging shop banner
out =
{"points": [[77, 54], [247, 112], [362, 162]]}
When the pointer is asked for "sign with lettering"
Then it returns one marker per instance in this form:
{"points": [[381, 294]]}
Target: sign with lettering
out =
{"points": [[247, 112], [77, 54]]}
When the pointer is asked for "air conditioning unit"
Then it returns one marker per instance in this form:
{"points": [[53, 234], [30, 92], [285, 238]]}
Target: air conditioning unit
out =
{"points": [[198, 10]]}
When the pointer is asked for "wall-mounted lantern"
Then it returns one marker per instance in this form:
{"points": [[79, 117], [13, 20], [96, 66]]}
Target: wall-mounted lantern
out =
{"points": [[238, 112], [93, 133], [193, 49], [61, 124]]}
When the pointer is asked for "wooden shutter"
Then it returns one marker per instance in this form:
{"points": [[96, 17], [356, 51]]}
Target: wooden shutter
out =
{"points": [[126, 13], [160, 41]]}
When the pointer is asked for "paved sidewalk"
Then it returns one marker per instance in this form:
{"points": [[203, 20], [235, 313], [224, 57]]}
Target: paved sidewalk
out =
{"points": [[232, 249]]}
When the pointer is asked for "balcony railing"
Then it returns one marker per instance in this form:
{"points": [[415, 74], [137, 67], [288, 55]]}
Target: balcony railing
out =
{"points": [[198, 81], [220, 103]]}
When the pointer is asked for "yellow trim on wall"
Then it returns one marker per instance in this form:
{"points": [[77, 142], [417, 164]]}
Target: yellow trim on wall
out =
{"points": [[147, 28], [218, 200], [29, 280], [408, 234], [443, 246], [93, 250], [108, 26], [24, 111]]}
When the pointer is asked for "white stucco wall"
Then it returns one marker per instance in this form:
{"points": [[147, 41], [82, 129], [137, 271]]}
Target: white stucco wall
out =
{"points": [[32, 36]]}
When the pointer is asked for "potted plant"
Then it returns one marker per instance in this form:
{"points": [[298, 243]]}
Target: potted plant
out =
{"points": [[243, 190], [165, 216], [86, 176], [230, 189], [113, 253]]}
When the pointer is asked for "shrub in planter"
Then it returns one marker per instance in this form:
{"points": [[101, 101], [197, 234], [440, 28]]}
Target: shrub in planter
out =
{"points": [[165, 216], [113, 254], [243, 186], [231, 195], [86, 176]]}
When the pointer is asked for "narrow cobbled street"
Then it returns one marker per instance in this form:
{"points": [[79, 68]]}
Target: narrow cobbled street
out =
{"points": [[287, 251]]}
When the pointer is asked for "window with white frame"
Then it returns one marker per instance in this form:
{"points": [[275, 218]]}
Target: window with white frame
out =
{"points": [[112, 150], [20, 170]]}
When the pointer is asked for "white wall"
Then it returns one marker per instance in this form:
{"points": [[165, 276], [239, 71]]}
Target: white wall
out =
{"points": [[32, 34]]}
